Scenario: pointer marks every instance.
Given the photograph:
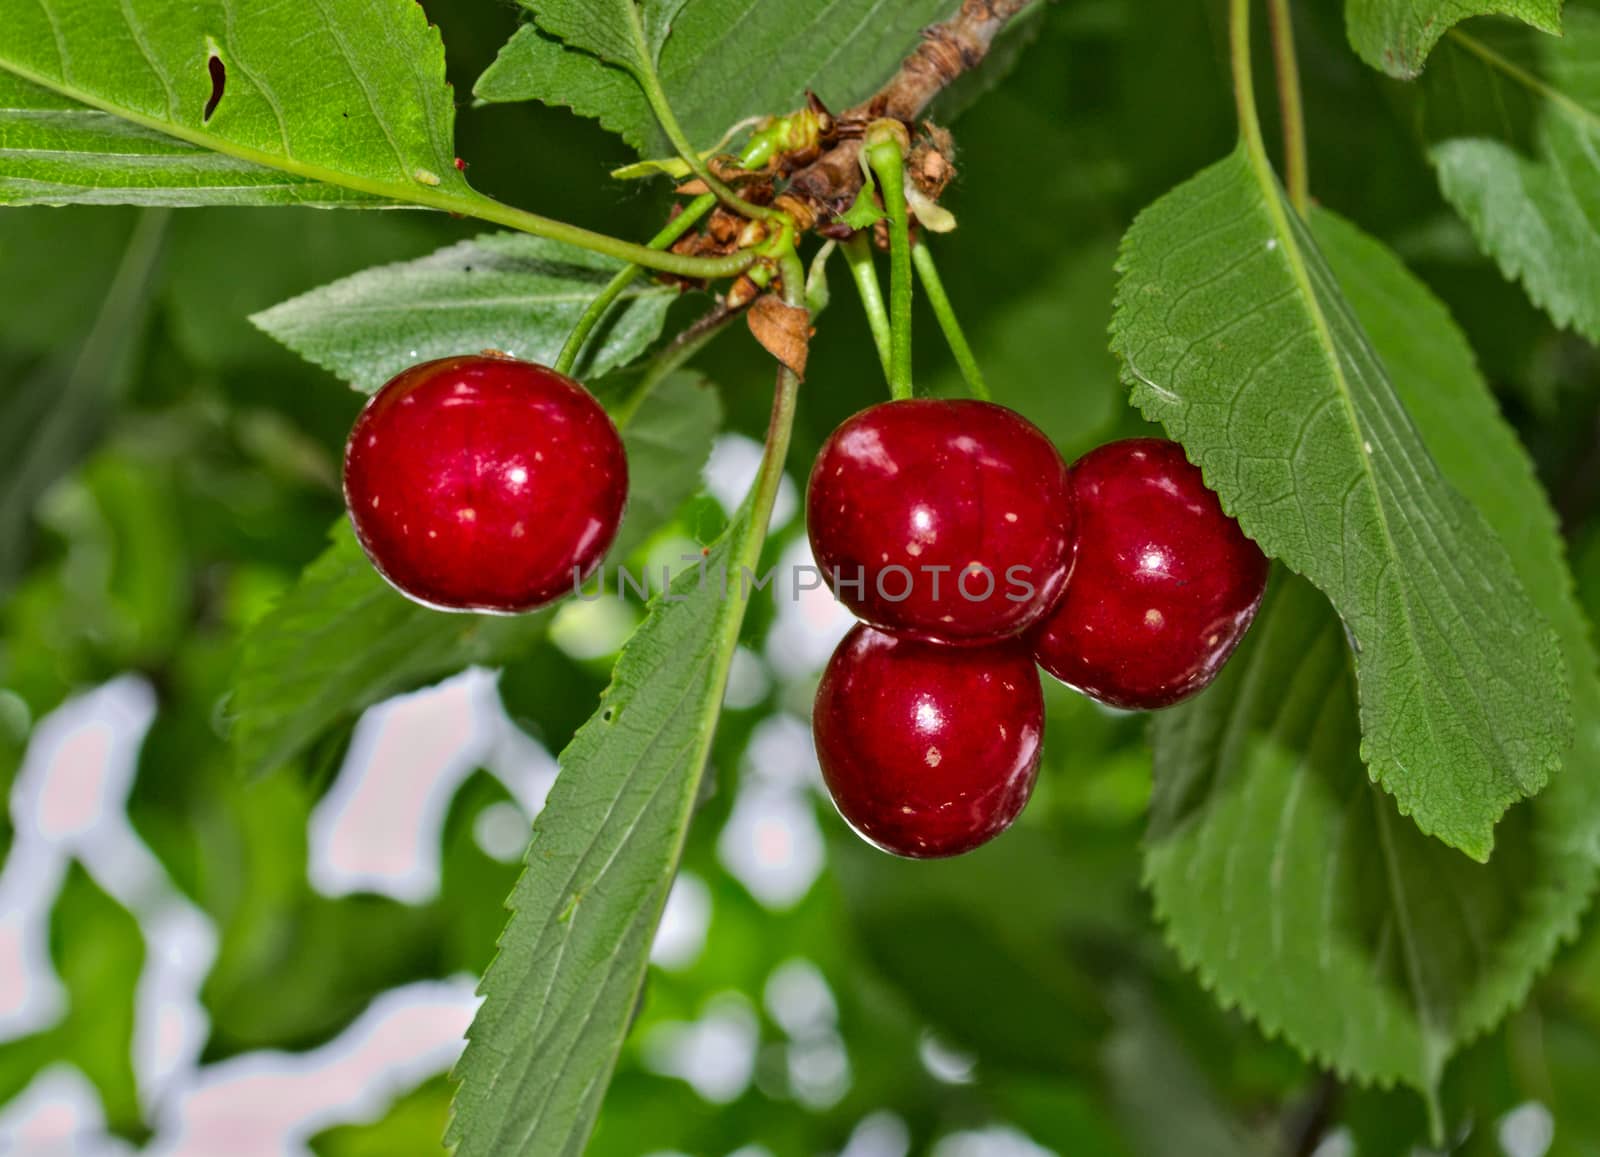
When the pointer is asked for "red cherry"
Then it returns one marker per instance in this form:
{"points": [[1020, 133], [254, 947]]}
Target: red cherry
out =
{"points": [[481, 483], [928, 750], [956, 517], [1164, 586]]}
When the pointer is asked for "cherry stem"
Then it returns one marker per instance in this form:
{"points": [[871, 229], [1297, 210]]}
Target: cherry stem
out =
{"points": [[764, 491], [928, 273], [657, 98], [485, 209], [886, 157], [1244, 93], [864, 271], [1290, 107], [596, 309]]}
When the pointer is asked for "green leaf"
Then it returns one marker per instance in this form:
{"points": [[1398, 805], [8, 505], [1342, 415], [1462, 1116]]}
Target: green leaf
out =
{"points": [[52, 414], [56, 151], [1281, 873], [1235, 336], [619, 31], [504, 291], [726, 60], [350, 95], [342, 639], [1514, 121], [559, 996], [1396, 36]]}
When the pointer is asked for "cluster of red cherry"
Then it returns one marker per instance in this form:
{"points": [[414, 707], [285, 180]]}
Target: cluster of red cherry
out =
{"points": [[973, 552], [953, 529]]}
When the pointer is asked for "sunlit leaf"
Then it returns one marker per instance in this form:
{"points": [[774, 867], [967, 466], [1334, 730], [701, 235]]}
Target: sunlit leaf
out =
{"points": [[1238, 338], [1281, 872], [218, 103], [725, 60], [1397, 35]]}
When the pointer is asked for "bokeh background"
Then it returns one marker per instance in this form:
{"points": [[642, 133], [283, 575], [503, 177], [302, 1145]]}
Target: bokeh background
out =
{"points": [[192, 963]]}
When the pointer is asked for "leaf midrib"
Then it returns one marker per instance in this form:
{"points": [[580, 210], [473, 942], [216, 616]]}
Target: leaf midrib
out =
{"points": [[611, 960], [417, 194], [1267, 183]]}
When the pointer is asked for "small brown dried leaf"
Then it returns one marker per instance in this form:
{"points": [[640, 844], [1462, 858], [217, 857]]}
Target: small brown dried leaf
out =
{"points": [[784, 331]]}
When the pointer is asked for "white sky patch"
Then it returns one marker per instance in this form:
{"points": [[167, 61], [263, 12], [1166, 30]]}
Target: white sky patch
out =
{"points": [[748, 682], [780, 752], [58, 1115], [70, 801], [522, 764], [170, 1024], [771, 843], [994, 1141], [269, 1104], [716, 1054], [377, 829], [31, 996], [798, 999], [731, 469], [880, 1134], [1527, 1131], [819, 1071], [810, 621], [945, 1062], [80, 764], [501, 832], [681, 935]]}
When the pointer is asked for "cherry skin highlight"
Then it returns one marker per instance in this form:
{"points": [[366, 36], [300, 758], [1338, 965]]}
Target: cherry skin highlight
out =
{"points": [[956, 517], [482, 483], [928, 750], [1164, 586]]}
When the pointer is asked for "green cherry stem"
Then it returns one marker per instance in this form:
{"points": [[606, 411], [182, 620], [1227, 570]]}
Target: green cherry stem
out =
{"points": [[864, 271], [1291, 107], [428, 194], [928, 273], [885, 151], [596, 309], [657, 98]]}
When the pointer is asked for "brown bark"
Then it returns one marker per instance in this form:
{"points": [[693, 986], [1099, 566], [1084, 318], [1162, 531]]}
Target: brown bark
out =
{"points": [[830, 183]]}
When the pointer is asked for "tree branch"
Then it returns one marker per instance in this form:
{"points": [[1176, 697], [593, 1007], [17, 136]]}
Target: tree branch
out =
{"points": [[830, 183]]}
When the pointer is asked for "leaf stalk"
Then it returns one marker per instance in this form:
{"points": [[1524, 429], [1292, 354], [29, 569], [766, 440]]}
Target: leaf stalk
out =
{"points": [[1291, 107]]}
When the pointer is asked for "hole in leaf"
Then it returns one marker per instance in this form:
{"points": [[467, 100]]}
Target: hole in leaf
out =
{"points": [[219, 81]]}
